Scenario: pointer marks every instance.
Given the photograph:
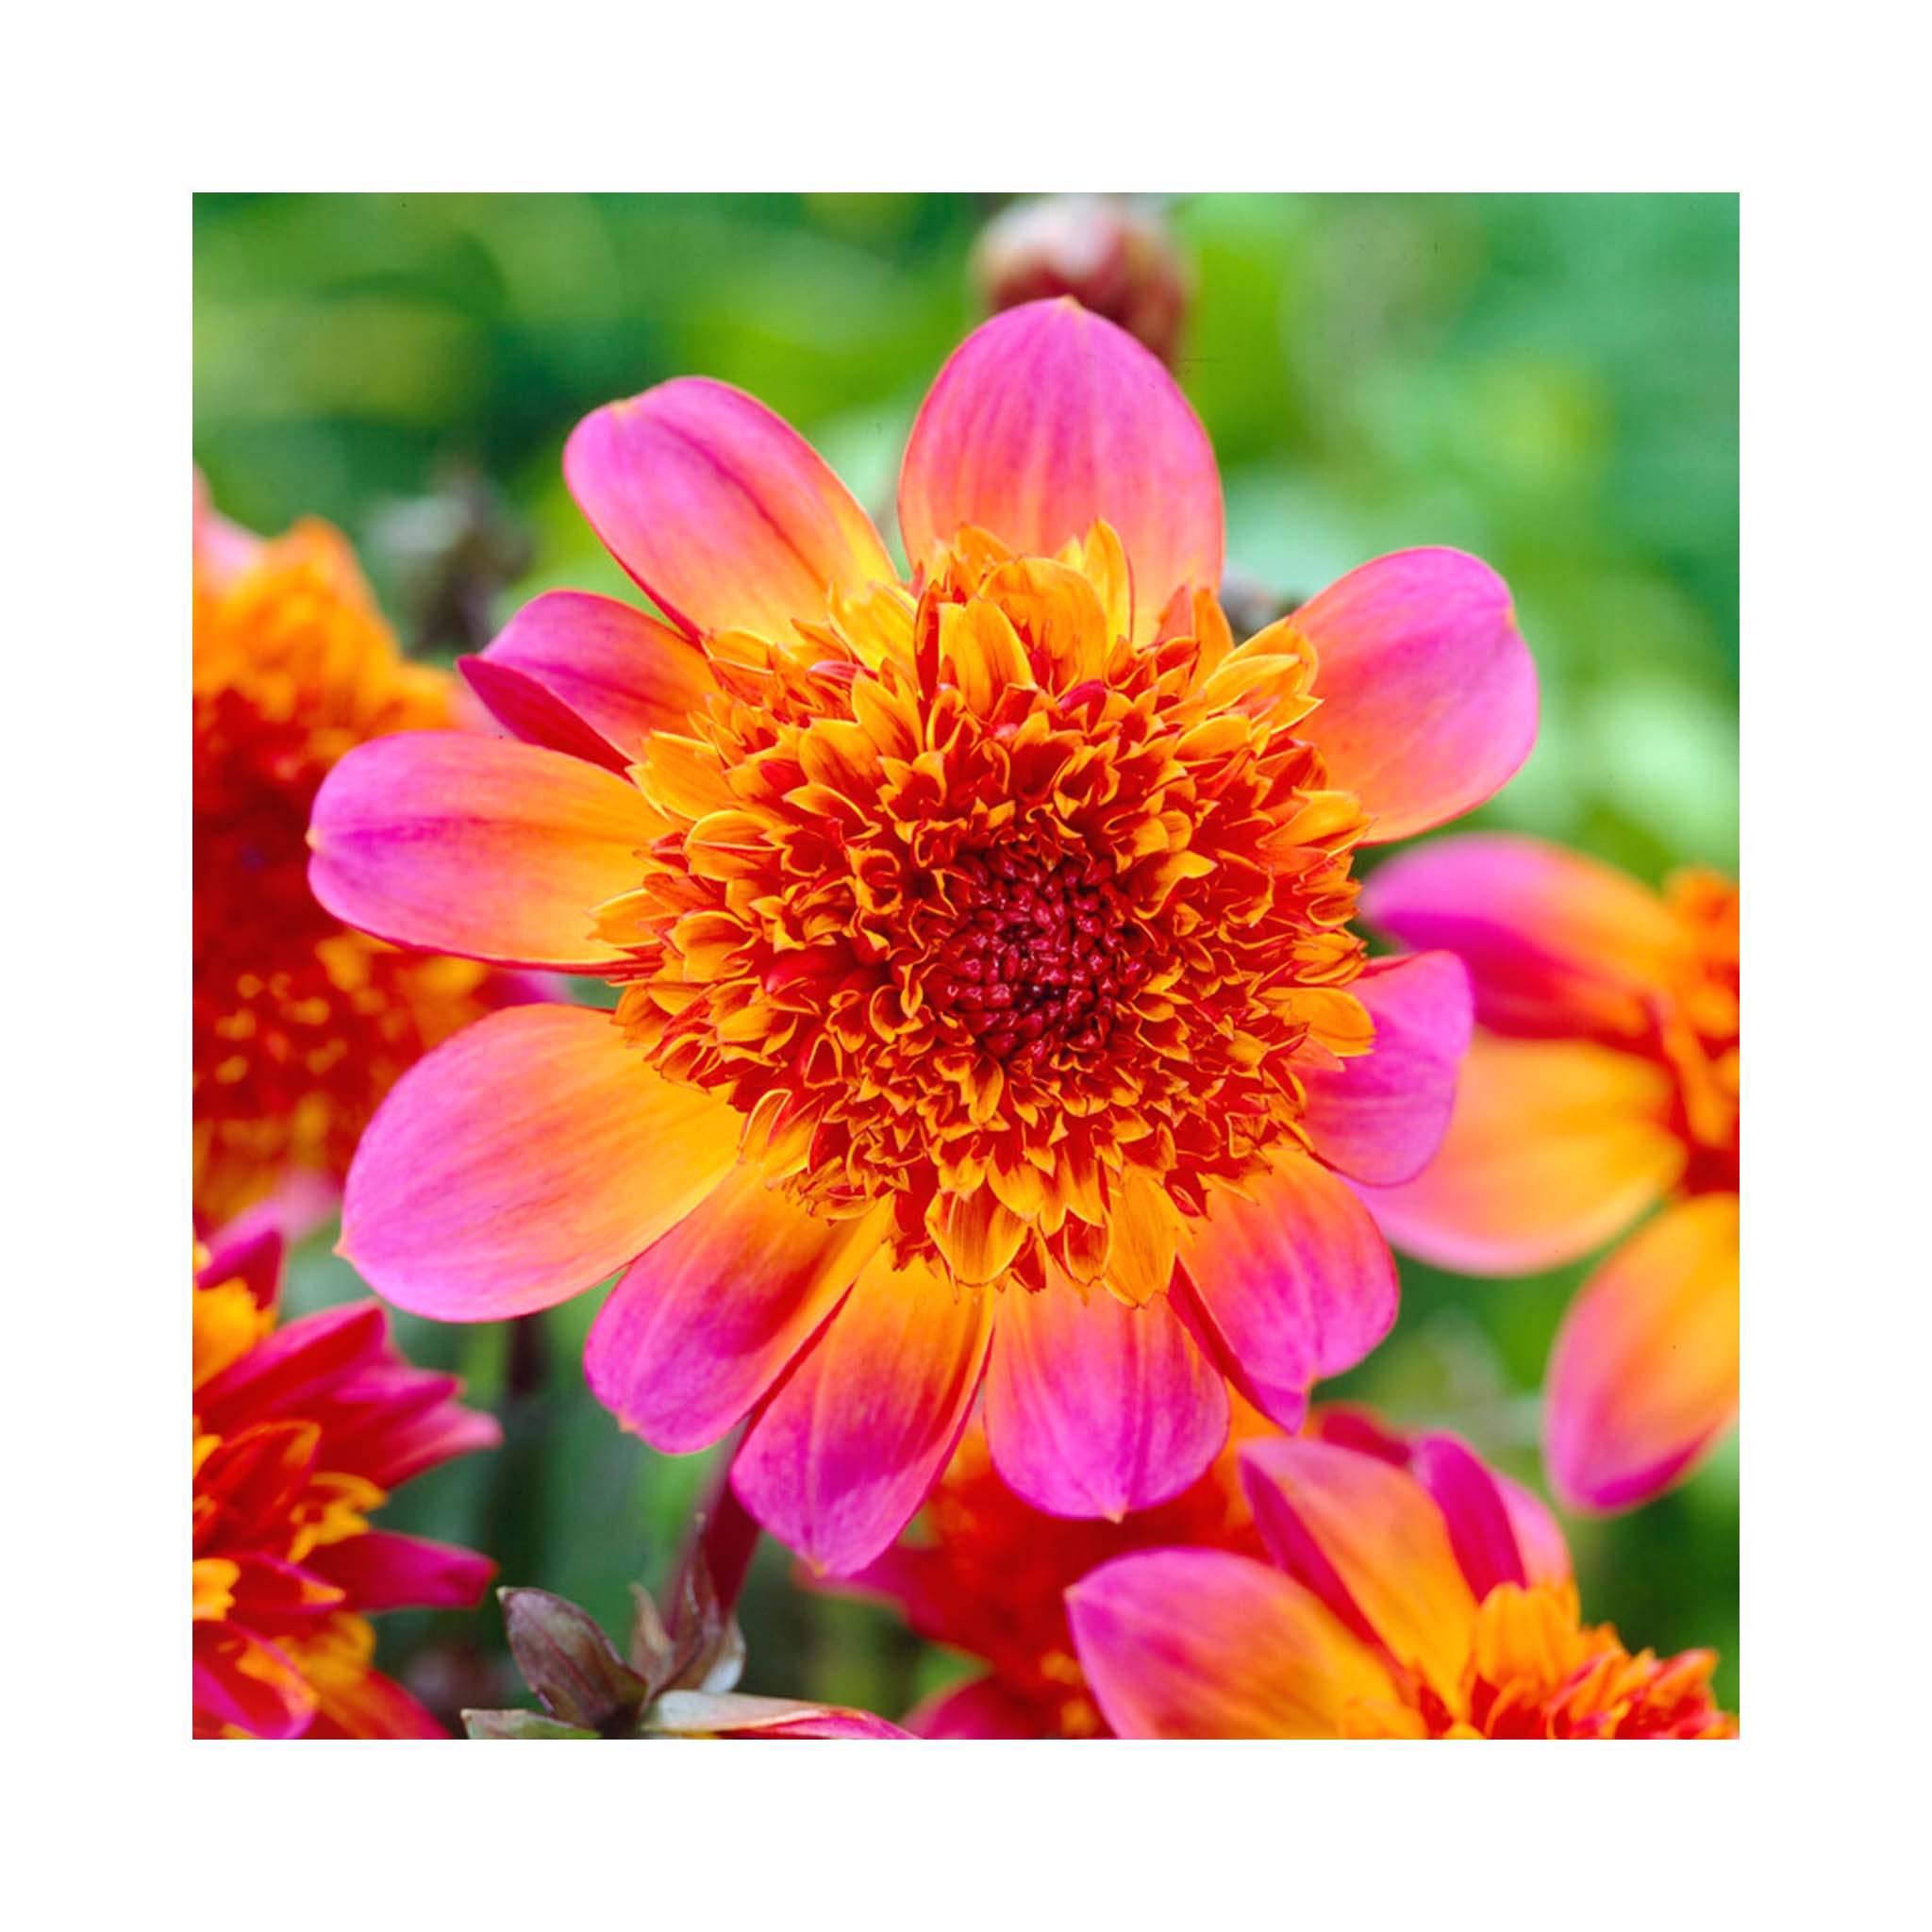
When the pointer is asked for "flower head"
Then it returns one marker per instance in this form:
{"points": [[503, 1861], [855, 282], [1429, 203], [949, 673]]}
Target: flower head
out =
{"points": [[1603, 1080], [300, 1433], [988, 1003], [1411, 1593], [300, 1026]]}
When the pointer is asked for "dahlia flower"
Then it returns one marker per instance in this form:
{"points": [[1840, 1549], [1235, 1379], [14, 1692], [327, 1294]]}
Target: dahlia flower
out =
{"points": [[985, 1573], [988, 1004], [299, 1434], [299, 1026], [1603, 1080], [1412, 1594]]}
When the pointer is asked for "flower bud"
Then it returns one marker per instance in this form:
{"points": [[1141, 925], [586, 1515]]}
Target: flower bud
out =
{"points": [[1111, 256]]}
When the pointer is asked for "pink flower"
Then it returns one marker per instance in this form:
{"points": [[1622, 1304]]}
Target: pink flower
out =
{"points": [[990, 1010], [1413, 1593]]}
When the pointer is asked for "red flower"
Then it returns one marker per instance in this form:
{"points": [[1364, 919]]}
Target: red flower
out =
{"points": [[299, 1434]]}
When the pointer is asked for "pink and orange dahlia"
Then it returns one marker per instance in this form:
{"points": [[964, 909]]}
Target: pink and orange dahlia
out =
{"points": [[300, 1026], [1603, 1080], [1411, 1593], [988, 1004], [300, 1433]]}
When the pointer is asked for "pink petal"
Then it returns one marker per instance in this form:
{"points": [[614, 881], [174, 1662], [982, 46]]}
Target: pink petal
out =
{"points": [[589, 676], [1298, 1283], [1428, 697], [1198, 1643], [980, 1707], [709, 1315], [524, 1160], [291, 1364], [382, 1571], [732, 1714], [1643, 1377], [860, 1430], [480, 846], [1481, 1530], [1545, 1555], [723, 512], [1047, 418], [1379, 1118], [1556, 943], [1094, 1408]]}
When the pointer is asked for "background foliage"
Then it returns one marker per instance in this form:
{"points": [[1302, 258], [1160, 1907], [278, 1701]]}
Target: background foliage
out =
{"points": [[1549, 381]]}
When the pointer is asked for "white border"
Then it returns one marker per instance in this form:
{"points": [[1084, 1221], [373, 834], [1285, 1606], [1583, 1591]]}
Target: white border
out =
{"points": [[121, 119]]}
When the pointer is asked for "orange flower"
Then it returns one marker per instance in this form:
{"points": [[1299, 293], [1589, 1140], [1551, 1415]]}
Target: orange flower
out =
{"points": [[300, 1025], [299, 1434], [1412, 1594], [1603, 1079]]}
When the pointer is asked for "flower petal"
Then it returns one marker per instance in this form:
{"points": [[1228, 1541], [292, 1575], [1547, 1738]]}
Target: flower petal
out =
{"points": [[1428, 697], [480, 846], [721, 511], [1644, 1372], [1482, 1531], [242, 1681], [1381, 1116], [589, 676], [1094, 1408], [1298, 1283], [523, 1161], [1555, 1146], [860, 1431], [708, 1317], [1199, 1643], [1556, 943], [382, 1571], [365, 1704], [1047, 418], [1368, 1540], [980, 1707], [732, 1714]]}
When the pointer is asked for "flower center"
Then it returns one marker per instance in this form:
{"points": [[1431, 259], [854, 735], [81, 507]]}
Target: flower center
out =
{"points": [[1040, 955]]}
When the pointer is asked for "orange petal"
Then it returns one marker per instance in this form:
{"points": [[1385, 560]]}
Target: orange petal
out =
{"points": [[1200, 1643], [1644, 1374], [1555, 1146], [1366, 1537], [523, 1161], [480, 846]]}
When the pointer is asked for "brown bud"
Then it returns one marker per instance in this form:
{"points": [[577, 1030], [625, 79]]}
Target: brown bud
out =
{"points": [[1113, 257], [569, 1662]]}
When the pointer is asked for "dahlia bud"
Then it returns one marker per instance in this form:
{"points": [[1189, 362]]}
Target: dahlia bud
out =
{"points": [[569, 1662], [592, 1693], [1113, 257]]}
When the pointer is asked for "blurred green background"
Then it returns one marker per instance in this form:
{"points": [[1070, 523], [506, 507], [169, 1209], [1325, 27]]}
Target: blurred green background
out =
{"points": [[1549, 381]]}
